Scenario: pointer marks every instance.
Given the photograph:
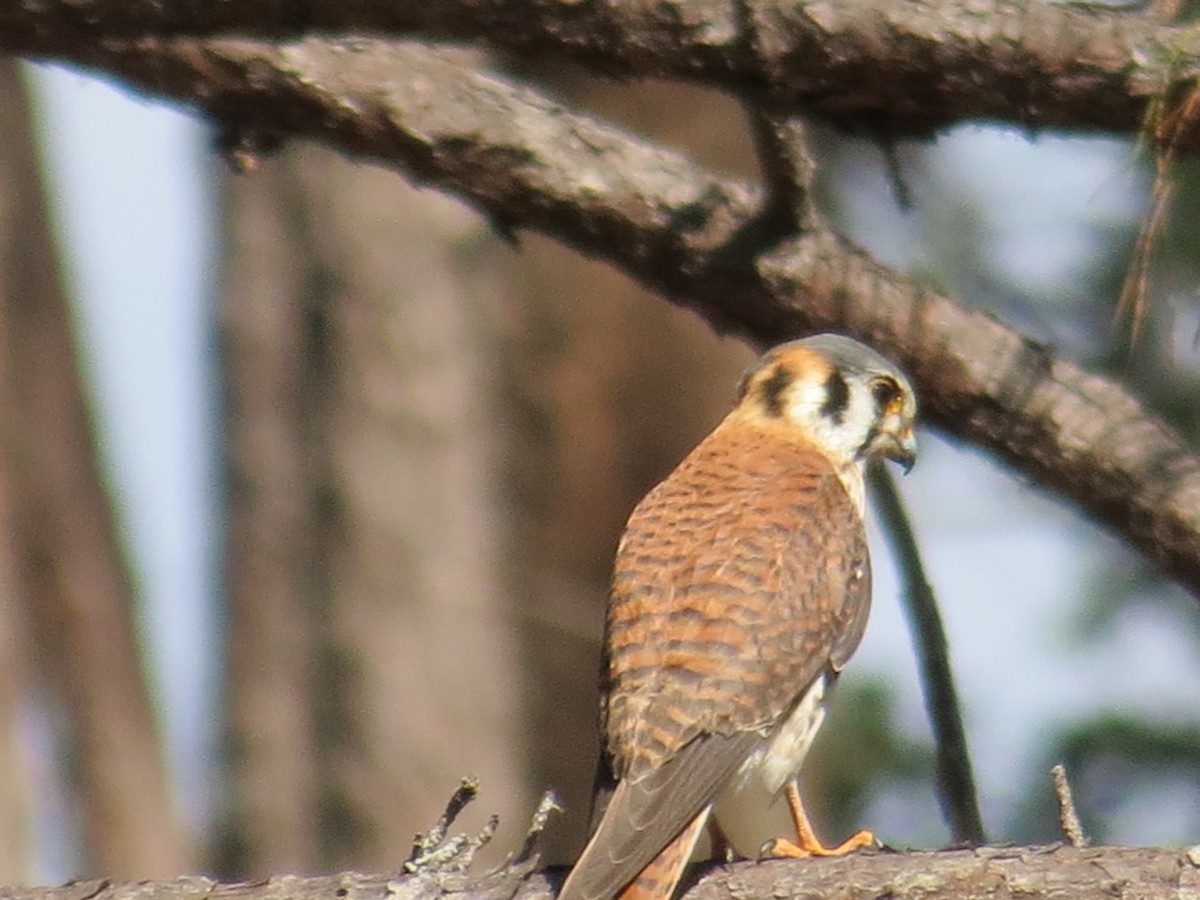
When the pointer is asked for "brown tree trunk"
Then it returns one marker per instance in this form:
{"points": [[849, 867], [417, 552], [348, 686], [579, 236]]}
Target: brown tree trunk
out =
{"points": [[15, 791], [73, 575], [271, 554], [16, 800], [372, 657]]}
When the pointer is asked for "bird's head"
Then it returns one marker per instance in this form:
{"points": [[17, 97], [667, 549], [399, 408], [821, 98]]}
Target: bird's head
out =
{"points": [[839, 394]]}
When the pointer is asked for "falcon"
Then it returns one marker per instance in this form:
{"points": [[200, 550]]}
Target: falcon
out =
{"points": [[741, 588]]}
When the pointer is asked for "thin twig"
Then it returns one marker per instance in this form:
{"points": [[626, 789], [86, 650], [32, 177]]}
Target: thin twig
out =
{"points": [[529, 848], [1169, 126], [1067, 816], [956, 785], [432, 847]]}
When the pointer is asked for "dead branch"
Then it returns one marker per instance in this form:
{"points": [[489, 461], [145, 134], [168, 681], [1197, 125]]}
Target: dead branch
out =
{"points": [[695, 237], [1059, 872], [438, 867], [1068, 816], [1072, 66]]}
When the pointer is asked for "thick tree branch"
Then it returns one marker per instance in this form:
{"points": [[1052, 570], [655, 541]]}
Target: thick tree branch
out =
{"points": [[695, 237], [1033, 64], [1059, 872], [439, 866]]}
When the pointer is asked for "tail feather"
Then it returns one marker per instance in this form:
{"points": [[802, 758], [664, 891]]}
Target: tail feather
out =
{"points": [[661, 876], [591, 879]]}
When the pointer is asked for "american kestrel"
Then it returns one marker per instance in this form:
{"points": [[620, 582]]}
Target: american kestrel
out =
{"points": [[741, 588]]}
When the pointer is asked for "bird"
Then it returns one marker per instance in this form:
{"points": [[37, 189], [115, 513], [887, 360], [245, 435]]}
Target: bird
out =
{"points": [[741, 587]]}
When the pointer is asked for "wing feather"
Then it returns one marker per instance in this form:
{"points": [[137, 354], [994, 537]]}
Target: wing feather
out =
{"points": [[739, 579]]}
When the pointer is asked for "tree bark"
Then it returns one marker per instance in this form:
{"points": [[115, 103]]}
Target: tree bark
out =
{"points": [[989, 873], [16, 769], [1074, 66], [270, 632], [699, 240], [16, 683]]}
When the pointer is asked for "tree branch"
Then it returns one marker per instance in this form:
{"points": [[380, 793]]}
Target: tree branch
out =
{"points": [[1034, 64], [530, 163], [1059, 872]]}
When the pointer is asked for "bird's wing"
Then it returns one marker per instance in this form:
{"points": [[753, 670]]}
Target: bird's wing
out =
{"points": [[739, 580], [644, 816]]}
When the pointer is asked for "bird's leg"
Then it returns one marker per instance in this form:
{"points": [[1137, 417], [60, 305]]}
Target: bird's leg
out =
{"points": [[807, 843]]}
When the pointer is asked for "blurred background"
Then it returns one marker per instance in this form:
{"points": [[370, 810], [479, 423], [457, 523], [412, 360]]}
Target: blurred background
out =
{"points": [[312, 484]]}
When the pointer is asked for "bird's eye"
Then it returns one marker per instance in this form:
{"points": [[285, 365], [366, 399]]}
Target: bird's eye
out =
{"points": [[887, 395]]}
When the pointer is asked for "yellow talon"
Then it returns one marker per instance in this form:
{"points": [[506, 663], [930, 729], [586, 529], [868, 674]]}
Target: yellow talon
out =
{"points": [[785, 849], [807, 843]]}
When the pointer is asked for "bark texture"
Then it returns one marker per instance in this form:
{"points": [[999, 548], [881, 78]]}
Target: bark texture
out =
{"points": [[270, 634], [699, 239], [988, 873], [1075, 66]]}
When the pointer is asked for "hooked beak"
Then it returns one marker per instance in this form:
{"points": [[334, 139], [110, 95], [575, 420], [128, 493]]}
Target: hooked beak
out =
{"points": [[901, 447]]}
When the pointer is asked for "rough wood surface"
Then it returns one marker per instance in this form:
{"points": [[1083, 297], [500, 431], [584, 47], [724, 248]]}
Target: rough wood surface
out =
{"points": [[1061, 65], [697, 238], [988, 873]]}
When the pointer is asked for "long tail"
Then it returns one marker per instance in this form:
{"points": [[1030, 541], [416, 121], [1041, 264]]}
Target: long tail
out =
{"points": [[595, 877], [661, 876]]}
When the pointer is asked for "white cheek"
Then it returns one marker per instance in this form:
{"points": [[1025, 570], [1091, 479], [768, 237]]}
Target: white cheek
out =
{"points": [[841, 439]]}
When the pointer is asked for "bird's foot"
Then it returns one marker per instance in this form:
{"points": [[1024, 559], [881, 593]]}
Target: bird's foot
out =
{"points": [[783, 848]]}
